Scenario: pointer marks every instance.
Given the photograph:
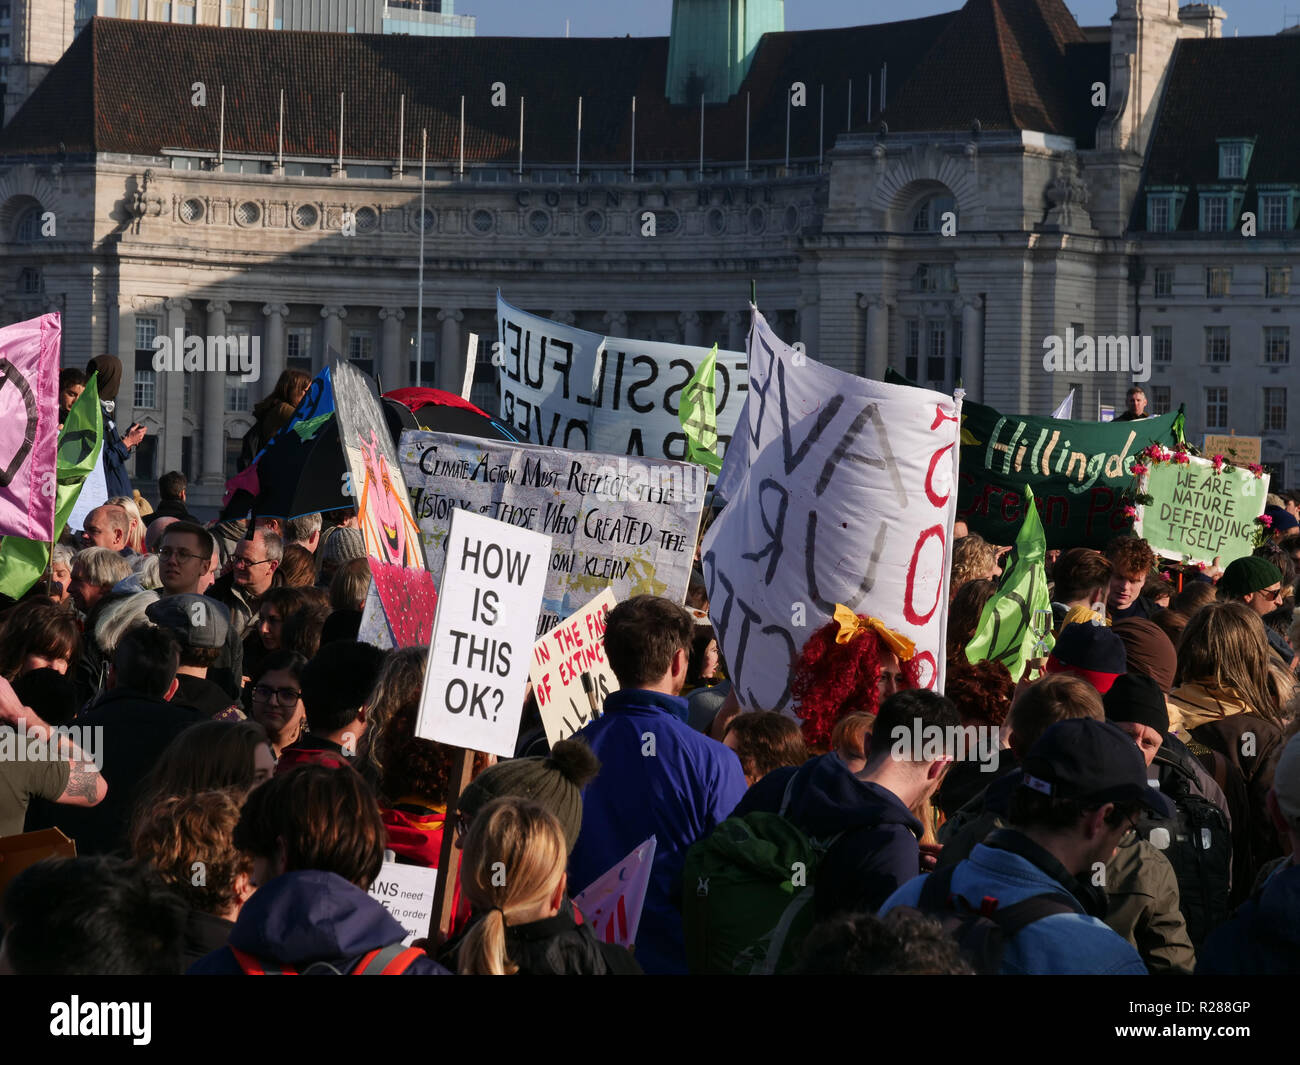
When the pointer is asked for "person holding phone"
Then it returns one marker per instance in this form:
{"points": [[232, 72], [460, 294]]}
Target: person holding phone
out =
{"points": [[117, 449]]}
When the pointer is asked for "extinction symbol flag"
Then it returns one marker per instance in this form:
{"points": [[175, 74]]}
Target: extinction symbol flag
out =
{"points": [[29, 420], [699, 415]]}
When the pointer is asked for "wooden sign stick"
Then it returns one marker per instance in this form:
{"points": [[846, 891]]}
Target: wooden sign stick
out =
{"points": [[449, 859]]}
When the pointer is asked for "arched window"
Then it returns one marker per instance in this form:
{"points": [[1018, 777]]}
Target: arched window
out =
{"points": [[927, 217], [27, 230]]}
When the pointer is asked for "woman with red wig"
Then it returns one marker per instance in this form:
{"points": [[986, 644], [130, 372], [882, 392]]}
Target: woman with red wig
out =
{"points": [[848, 665]]}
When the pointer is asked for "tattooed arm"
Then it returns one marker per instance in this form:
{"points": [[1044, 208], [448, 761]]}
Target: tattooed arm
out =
{"points": [[86, 785]]}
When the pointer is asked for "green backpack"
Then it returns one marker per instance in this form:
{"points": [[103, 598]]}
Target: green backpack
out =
{"points": [[747, 895]]}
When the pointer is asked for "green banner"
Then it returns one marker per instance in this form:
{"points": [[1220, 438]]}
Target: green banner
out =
{"points": [[698, 412], [22, 562], [1020, 612], [1201, 513]]}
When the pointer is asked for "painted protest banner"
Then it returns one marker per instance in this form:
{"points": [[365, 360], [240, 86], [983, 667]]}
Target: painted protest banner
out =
{"points": [[616, 521], [397, 564], [565, 660], [1239, 450], [567, 387], [406, 891], [1199, 512], [482, 634], [847, 498], [612, 903], [1079, 472], [29, 426]]}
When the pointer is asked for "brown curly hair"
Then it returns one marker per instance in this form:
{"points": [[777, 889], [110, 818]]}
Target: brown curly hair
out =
{"points": [[1130, 557], [189, 840], [982, 691]]}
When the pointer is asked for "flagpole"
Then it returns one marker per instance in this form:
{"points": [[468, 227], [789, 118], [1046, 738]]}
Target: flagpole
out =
{"points": [[419, 299]]}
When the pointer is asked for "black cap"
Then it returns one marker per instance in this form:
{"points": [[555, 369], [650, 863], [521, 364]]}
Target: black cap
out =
{"points": [[1091, 762]]}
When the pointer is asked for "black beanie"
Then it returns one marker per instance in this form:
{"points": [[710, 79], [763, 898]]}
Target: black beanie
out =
{"points": [[1136, 697]]}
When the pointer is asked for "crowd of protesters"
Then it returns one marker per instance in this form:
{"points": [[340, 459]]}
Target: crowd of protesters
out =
{"points": [[1130, 803]]}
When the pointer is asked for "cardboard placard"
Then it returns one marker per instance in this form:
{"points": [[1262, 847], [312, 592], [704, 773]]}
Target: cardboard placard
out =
{"points": [[1199, 513], [565, 661], [483, 634], [28, 848], [406, 891]]}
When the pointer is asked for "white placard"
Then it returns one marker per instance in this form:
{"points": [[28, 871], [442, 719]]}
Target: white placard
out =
{"points": [[94, 493], [483, 633], [573, 648], [842, 490], [406, 891]]}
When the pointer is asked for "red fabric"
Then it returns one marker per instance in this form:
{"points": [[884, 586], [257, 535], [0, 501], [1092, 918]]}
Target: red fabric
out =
{"points": [[415, 398], [1101, 681], [418, 839], [291, 758]]}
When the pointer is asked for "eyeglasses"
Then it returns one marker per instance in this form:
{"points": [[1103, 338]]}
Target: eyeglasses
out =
{"points": [[243, 563], [283, 696], [167, 553], [1272, 593]]}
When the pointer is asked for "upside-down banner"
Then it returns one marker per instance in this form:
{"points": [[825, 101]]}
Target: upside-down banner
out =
{"points": [[840, 491]]}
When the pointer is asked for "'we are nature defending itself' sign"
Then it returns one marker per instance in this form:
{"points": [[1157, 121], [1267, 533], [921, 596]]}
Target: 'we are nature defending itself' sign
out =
{"points": [[1200, 513]]}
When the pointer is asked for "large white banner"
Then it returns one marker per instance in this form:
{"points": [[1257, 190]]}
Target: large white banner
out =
{"points": [[613, 521], [566, 387], [842, 492]]}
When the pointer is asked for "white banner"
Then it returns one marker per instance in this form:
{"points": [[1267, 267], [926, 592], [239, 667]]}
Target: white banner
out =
{"points": [[94, 493], [483, 634], [406, 891], [843, 493], [566, 387], [612, 520], [570, 652]]}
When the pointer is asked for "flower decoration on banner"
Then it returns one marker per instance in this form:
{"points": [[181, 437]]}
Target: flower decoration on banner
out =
{"points": [[1218, 461], [1263, 529], [1256, 469]]}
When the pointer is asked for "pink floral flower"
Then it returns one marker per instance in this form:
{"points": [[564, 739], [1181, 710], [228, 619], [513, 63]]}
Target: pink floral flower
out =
{"points": [[1256, 469], [1139, 469], [1130, 511], [1218, 463], [1265, 520]]}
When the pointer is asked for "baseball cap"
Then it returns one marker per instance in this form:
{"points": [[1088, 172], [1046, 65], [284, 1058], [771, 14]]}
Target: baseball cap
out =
{"points": [[1092, 652], [195, 620], [1091, 762]]}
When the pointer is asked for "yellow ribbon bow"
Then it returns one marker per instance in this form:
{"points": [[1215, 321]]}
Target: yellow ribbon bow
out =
{"points": [[852, 626]]}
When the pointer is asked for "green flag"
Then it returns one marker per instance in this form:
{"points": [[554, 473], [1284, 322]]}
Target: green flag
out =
{"points": [[22, 562], [699, 414], [1016, 624]]}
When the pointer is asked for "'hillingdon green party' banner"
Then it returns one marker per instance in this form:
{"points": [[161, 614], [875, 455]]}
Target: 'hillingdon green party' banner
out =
{"points": [[1079, 472]]}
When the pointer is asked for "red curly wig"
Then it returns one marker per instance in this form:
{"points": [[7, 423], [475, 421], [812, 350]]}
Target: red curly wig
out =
{"points": [[830, 680]]}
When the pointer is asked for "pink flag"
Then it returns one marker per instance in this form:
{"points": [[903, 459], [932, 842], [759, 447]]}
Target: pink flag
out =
{"points": [[29, 426], [612, 904]]}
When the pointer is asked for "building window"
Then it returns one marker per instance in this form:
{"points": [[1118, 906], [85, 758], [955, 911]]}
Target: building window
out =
{"points": [[928, 217], [934, 277], [1275, 410], [30, 282], [1164, 282], [361, 350], [429, 363], [1218, 282], [1161, 399], [913, 355], [146, 390], [1277, 281], [237, 398], [936, 363], [1162, 343], [1160, 214], [28, 229], [297, 349], [145, 330], [185, 12], [1216, 408], [1217, 344], [187, 457], [1277, 344], [1214, 214], [146, 459], [187, 399], [1274, 211], [1232, 161]]}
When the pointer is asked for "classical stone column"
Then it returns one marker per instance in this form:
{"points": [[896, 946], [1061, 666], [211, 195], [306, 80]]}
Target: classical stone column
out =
{"points": [[124, 408], [615, 323], [451, 354], [392, 357], [213, 421], [692, 329], [273, 345], [972, 347], [877, 354], [334, 315], [173, 386], [737, 325], [809, 326]]}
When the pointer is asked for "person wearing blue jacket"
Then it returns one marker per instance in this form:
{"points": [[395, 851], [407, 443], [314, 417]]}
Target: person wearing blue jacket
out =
{"points": [[658, 776], [117, 449], [1081, 789], [317, 841]]}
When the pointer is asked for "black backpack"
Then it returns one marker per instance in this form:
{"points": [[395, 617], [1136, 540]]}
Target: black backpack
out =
{"points": [[983, 933], [1198, 844]]}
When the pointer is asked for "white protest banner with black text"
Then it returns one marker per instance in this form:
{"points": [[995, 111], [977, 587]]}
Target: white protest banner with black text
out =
{"points": [[844, 494], [567, 387], [614, 521], [483, 634], [570, 652], [406, 891]]}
